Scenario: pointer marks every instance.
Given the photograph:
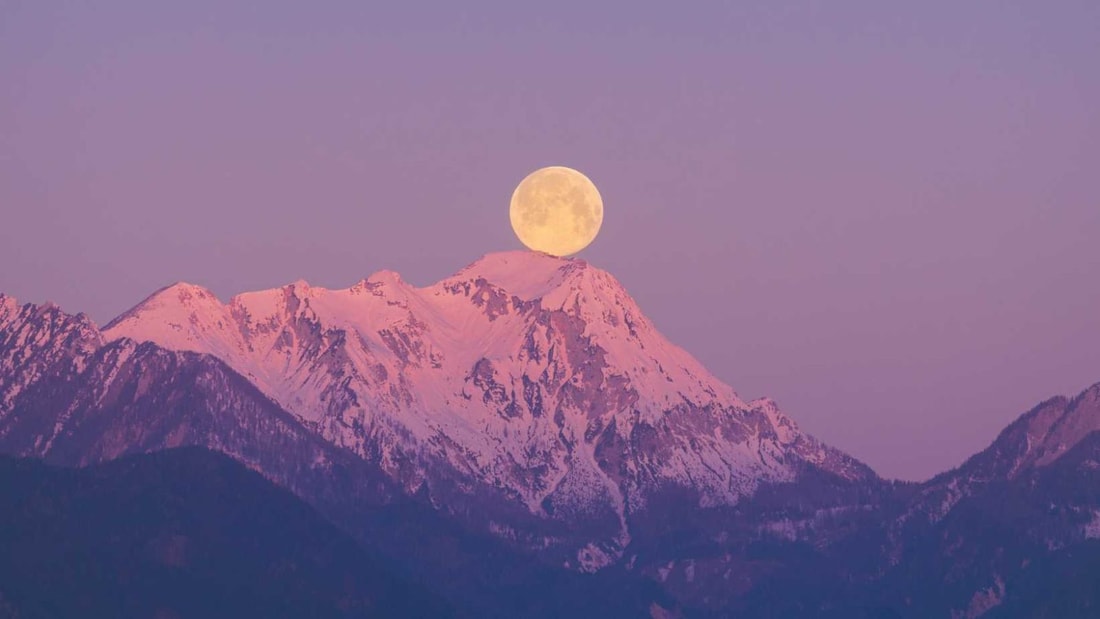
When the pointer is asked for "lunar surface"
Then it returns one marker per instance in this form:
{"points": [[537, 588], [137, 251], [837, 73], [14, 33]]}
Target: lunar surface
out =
{"points": [[556, 210]]}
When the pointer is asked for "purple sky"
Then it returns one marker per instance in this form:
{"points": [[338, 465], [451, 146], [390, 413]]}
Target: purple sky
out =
{"points": [[887, 218]]}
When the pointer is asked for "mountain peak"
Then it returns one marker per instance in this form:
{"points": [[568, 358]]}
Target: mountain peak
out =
{"points": [[185, 290], [1051, 435], [34, 339], [383, 279], [7, 304], [529, 275], [10, 306], [1040, 436], [180, 296]]}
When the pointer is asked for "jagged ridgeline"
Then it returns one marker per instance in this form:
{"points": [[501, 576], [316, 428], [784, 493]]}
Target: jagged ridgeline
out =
{"points": [[523, 422]]}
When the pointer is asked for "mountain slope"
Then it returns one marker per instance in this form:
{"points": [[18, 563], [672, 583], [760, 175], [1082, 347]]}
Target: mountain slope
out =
{"points": [[182, 533], [1013, 532], [1031, 497], [126, 398], [996, 551], [527, 376], [40, 341], [1036, 439]]}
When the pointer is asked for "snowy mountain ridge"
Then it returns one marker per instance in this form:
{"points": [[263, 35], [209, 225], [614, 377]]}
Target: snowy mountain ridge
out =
{"points": [[527, 399], [525, 372], [35, 337]]}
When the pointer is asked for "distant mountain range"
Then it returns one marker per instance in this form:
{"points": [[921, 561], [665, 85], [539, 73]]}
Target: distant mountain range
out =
{"points": [[520, 437]]}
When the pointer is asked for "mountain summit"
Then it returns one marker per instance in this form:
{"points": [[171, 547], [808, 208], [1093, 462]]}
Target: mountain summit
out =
{"points": [[532, 379]]}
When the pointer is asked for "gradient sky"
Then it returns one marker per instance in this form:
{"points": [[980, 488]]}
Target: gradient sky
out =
{"points": [[885, 217]]}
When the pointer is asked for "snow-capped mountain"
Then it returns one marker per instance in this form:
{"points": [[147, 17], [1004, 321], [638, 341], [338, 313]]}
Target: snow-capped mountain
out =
{"points": [[69, 397], [534, 375], [526, 408]]}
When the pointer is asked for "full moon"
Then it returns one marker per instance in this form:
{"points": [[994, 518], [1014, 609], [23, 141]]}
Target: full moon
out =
{"points": [[556, 210]]}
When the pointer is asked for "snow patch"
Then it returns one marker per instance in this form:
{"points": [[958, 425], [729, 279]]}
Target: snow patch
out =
{"points": [[1092, 529], [983, 600]]}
